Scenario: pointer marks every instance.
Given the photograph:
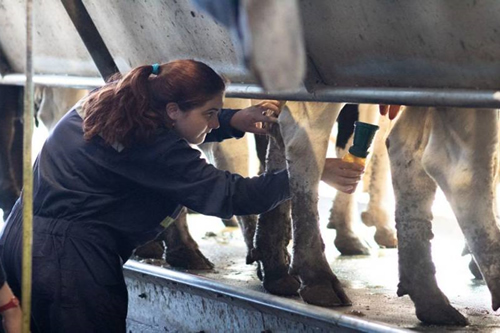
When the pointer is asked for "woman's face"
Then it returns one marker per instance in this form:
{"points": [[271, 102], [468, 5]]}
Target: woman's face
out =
{"points": [[195, 124]]}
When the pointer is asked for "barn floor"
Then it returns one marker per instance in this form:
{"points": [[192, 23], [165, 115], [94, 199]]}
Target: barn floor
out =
{"points": [[370, 280]]}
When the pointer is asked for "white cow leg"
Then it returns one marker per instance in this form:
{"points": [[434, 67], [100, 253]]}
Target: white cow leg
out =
{"points": [[306, 129], [466, 140], [414, 191], [274, 233], [342, 217], [377, 213]]}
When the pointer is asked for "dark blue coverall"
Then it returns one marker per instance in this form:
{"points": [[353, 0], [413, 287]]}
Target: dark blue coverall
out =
{"points": [[94, 204]]}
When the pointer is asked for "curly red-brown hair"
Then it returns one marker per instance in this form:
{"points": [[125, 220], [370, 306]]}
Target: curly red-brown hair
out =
{"points": [[131, 110]]}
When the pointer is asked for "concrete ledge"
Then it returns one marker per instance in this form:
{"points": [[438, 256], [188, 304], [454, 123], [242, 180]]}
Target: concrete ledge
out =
{"points": [[163, 300]]}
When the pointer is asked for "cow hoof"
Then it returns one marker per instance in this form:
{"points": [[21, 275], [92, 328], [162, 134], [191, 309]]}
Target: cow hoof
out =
{"points": [[188, 259], [349, 245], [287, 285], [441, 315], [151, 250], [474, 269], [321, 295], [386, 237], [324, 295]]}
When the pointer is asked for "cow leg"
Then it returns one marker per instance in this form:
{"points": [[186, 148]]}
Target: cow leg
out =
{"points": [[182, 250], [473, 268], [414, 191], [343, 211], [176, 246], [273, 234], [342, 217], [16, 152], [377, 213], [306, 129], [466, 140], [154, 249], [9, 187]]}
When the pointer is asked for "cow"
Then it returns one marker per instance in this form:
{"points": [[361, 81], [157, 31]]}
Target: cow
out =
{"points": [[455, 149]]}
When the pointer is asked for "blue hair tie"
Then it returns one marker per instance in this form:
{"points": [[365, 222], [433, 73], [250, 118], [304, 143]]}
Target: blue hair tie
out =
{"points": [[156, 69]]}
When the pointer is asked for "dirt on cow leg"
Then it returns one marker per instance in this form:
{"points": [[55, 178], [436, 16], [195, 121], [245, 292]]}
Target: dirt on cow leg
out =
{"points": [[271, 239], [415, 190], [273, 231], [181, 249], [305, 128], [319, 286], [417, 275]]}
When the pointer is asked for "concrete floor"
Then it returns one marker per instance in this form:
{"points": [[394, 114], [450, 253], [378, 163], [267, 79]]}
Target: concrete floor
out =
{"points": [[370, 281]]}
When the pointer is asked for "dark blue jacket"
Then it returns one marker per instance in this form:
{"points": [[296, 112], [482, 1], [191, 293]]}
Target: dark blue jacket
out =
{"points": [[128, 193]]}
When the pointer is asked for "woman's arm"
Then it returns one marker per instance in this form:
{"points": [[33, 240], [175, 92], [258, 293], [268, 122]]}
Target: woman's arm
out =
{"points": [[234, 123], [177, 171]]}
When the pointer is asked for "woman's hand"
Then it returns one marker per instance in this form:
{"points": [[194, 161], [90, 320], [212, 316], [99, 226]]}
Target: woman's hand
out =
{"points": [[252, 118], [343, 176]]}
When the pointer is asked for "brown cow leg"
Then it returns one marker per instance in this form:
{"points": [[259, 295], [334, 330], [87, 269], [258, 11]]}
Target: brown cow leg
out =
{"points": [[181, 249], [10, 174], [273, 235]]}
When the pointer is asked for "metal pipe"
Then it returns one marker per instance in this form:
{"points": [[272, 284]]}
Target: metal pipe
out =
{"points": [[90, 37], [58, 81], [251, 296], [403, 96], [27, 172], [399, 96]]}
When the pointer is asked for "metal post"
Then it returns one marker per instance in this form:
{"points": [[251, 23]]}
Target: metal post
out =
{"points": [[27, 172]]}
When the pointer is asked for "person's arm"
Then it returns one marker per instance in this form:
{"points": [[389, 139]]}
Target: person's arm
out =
{"points": [[234, 123], [10, 309], [225, 131], [181, 174]]}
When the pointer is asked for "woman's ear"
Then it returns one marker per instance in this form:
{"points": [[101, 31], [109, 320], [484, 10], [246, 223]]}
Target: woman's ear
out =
{"points": [[173, 111]]}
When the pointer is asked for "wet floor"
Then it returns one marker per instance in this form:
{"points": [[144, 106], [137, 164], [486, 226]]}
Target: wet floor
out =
{"points": [[370, 281]]}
